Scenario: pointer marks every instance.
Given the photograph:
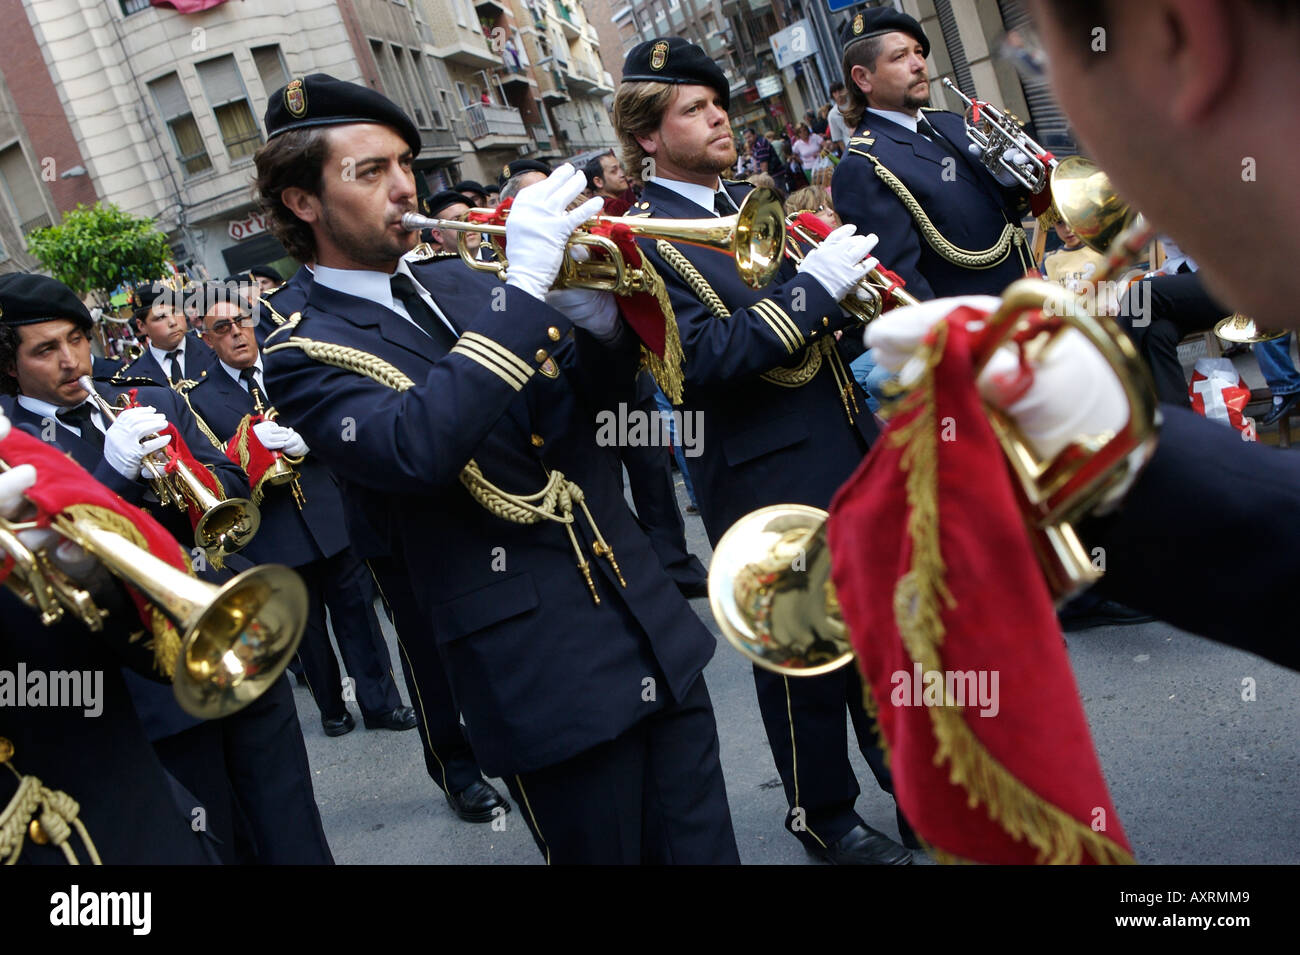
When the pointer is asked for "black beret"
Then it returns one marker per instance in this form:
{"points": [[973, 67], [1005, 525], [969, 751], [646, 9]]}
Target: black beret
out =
{"points": [[27, 299], [676, 60], [469, 185], [434, 205], [877, 21], [491, 189], [512, 169], [265, 272], [322, 100], [164, 290]]}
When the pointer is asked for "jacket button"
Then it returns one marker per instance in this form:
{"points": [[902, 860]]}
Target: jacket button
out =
{"points": [[541, 354], [826, 321], [538, 440], [553, 333]]}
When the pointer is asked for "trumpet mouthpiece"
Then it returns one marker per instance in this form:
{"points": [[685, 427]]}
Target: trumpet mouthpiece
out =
{"points": [[86, 383], [412, 222]]}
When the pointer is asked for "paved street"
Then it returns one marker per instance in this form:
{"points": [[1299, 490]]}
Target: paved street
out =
{"points": [[1198, 774]]}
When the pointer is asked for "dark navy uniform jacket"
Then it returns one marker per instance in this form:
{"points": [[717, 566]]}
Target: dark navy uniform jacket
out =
{"points": [[129, 805], [970, 211], [199, 357], [762, 443], [278, 305], [287, 535], [1208, 537], [158, 712], [540, 672]]}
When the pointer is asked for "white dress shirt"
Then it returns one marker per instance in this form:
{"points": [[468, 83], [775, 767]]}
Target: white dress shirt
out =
{"points": [[44, 410], [375, 287], [896, 116], [160, 356], [702, 196]]}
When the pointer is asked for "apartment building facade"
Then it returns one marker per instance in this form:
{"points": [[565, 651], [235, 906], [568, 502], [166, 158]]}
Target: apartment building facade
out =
{"points": [[161, 112]]}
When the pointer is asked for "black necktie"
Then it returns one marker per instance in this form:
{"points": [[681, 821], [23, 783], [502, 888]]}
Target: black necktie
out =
{"points": [[404, 291], [723, 205], [249, 377], [929, 132], [79, 417], [174, 359]]}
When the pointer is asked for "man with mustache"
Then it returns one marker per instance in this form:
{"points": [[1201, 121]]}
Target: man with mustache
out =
{"points": [[946, 226]]}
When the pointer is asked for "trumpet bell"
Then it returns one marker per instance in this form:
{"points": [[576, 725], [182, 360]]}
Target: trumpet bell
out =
{"points": [[771, 593], [760, 237], [228, 525], [1085, 199], [240, 642], [1242, 330]]}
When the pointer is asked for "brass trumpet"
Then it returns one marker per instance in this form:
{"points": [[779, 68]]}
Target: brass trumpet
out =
{"points": [[994, 132], [280, 472], [873, 284], [754, 237], [226, 524], [780, 610], [236, 640], [1241, 330]]}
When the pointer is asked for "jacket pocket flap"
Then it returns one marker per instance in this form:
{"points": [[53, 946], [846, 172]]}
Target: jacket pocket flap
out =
{"points": [[483, 607], [767, 437]]}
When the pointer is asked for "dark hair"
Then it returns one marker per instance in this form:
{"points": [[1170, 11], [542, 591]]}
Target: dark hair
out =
{"points": [[639, 108], [863, 53], [10, 339], [836, 87], [292, 159], [594, 170]]}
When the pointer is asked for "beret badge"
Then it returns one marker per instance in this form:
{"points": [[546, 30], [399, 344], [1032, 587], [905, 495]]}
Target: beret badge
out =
{"points": [[858, 25], [295, 99], [659, 55]]}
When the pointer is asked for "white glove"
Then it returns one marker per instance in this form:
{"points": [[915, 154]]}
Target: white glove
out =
{"points": [[597, 312], [67, 556], [538, 228], [841, 261], [276, 437], [1009, 155], [122, 448], [1073, 392]]}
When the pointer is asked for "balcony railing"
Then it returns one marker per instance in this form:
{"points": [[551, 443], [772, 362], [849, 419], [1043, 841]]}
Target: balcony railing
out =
{"points": [[42, 221], [488, 119]]}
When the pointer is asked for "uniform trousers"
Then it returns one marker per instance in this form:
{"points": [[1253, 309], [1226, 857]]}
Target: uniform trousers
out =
{"points": [[343, 584], [804, 719], [652, 795], [450, 761], [250, 771]]}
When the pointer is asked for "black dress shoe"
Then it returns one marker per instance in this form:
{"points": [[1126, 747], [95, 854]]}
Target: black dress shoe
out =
{"points": [[339, 725], [478, 802], [863, 845], [695, 588], [398, 718], [1281, 408], [1103, 613]]}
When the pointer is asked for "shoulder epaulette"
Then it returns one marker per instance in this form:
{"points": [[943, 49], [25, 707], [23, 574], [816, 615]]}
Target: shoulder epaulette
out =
{"points": [[285, 325], [121, 380], [859, 144], [638, 210]]}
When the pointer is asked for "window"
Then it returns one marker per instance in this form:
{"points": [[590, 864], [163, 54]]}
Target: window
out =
{"points": [[270, 67], [174, 107], [430, 96], [225, 92], [389, 74], [133, 6], [22, 190], [415, 94]]}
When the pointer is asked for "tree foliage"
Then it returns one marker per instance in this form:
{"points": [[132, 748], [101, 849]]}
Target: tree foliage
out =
{"points": [[99, 247]]}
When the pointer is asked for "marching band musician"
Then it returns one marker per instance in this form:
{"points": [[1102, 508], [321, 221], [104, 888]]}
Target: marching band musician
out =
{"points": [[171, 353], [302, 525], [252, 763], [87, 768], [949, 226], [783, 427], [1189, 75], [456, 409], [448, 757]]}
